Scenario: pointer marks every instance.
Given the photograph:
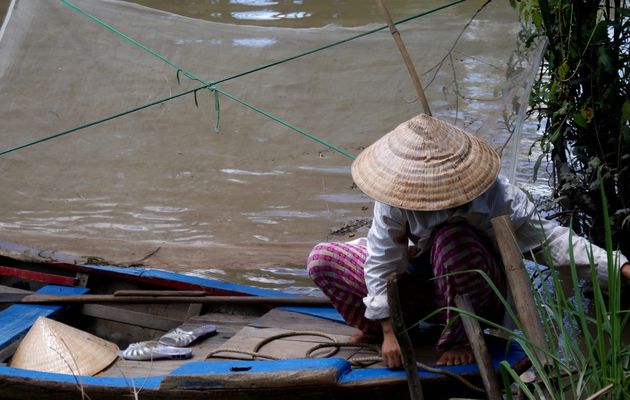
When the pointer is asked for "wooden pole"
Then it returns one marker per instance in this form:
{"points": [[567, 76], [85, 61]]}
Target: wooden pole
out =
{"points": [[108, 298], [520, 285], [406, 347], [405, 55], [189, 293], [479, 348]]}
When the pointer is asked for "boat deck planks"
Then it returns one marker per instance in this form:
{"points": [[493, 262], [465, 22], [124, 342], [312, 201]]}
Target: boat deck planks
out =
{"points": [[277, 318], [227, 326], [290, 347], [244, 332]]}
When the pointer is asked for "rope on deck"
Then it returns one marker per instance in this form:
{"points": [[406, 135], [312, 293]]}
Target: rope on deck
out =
{"points": [[336, 346], [212, 85]]}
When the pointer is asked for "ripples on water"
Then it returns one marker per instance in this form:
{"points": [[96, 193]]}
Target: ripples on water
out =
{"points": [[287, 279], [117, 218]]}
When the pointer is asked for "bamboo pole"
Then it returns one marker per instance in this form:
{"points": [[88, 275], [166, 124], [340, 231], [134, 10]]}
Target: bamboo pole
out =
{"points": [[405, 55], [406, 347], [520, 285], [479, 348]]}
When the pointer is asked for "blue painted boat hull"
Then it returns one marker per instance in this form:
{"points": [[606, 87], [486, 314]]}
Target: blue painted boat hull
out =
{"points": [[231, 379]]}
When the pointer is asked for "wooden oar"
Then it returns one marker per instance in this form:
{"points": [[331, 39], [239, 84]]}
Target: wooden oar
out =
{"points": [[22, 298], [160, 293]]}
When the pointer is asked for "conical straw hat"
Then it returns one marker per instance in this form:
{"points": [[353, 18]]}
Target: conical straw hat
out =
{"points": [[426, 164], [50, 346]]}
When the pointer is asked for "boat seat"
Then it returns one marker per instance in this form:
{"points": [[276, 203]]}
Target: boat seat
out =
{"points": [[16, 320]]}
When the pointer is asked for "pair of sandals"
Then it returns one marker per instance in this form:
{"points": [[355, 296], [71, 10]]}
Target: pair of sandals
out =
{"points": [[170, 346]]}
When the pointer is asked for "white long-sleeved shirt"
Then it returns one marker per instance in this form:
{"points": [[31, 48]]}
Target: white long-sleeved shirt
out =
{"points": [[388, 238]]}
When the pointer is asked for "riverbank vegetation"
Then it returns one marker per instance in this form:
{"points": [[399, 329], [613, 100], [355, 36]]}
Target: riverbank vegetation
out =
{"points": [[587, 358], [581, 100]]}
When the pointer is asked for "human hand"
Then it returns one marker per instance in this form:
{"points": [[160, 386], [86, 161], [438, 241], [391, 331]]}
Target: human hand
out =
{"points": [[390, 350], [625, 270]]}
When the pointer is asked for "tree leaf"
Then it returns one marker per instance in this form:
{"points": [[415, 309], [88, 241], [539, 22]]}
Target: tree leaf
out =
{"points": [[579, 120]]}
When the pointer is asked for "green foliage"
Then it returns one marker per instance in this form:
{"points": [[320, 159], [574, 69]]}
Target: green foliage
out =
{"points": [[586, 351], [582, 104]]}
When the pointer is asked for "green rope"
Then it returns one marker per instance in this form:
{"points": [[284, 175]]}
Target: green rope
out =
{"points": [[100, 121], [278, 120], [132, 41], [217, 111], [210, 85]]}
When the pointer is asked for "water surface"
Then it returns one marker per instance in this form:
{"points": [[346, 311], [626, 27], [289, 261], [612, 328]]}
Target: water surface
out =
{"points": [[246, 203]]}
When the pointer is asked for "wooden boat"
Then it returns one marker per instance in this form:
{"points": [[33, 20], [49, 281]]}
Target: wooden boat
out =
{"points": [[227, 375]]}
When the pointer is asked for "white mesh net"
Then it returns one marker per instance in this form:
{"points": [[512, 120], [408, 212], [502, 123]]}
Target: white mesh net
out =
{"points": [[256, 192]]}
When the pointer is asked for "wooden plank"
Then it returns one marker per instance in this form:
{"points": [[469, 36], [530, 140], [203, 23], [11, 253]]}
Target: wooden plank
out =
{"points": [[291, 320], [480, 350], [520, 285], [309, 374], [216, 300], [424, 344], [248, 338], [130, 317], [159, 293], [37, 276], [400, 331], [9, 289], [227, 325]]}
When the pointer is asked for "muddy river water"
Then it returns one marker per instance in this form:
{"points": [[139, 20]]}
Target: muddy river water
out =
{"points": [[245, 203]]}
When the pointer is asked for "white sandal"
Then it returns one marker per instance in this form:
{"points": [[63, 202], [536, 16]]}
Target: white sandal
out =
{"points": [[181, 338], [152, 350]]}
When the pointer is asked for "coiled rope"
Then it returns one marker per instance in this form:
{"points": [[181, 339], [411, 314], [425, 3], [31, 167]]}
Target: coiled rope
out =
{"points": [[212, 85], [335, 346]]}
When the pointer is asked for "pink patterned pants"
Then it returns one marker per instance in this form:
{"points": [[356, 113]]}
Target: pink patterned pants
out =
{"points": [[337, 269]]}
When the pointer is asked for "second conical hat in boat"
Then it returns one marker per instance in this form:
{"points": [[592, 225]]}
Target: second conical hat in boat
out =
{"points": [[426, 164], [50, 346]]}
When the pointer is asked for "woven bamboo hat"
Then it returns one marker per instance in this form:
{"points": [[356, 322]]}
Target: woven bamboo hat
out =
{"points": [[50, 346], [426, 164]]}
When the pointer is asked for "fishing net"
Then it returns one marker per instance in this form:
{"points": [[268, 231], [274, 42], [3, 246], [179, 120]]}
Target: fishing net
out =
{"points": [[255, 191]]}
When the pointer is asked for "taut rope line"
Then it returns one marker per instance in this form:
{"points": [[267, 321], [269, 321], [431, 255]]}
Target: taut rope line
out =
{"points": [[212, 85]]}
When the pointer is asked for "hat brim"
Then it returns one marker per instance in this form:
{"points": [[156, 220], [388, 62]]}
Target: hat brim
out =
{"points": [[426, 164]]}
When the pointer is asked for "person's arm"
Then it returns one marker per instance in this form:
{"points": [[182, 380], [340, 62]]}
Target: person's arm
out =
{"points": [[535, 233], [387, 254]]}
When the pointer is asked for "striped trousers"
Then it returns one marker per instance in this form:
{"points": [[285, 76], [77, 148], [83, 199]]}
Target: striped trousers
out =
{"points": [[337, 269]]}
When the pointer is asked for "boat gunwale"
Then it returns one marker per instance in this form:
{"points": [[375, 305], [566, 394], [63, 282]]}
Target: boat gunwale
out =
{"points": [[349, 378]]}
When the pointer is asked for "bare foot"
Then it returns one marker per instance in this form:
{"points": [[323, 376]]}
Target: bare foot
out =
{"points": [[362, 337], [456, 356]]}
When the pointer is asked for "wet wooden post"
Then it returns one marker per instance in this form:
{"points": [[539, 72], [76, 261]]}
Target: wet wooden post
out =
{"points": [[520, 285], [479, 348], [406, 347], [406, 58]]}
